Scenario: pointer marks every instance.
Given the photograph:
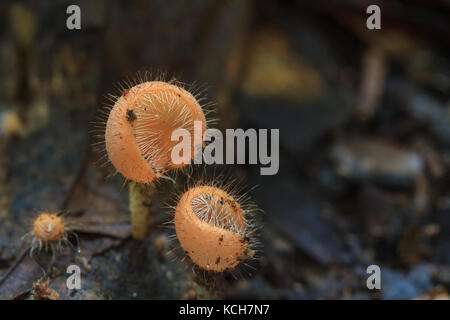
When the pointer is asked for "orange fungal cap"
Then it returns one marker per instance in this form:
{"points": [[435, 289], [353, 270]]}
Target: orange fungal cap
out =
{"points": [[140, 125], [48, 227], [210, 226]]}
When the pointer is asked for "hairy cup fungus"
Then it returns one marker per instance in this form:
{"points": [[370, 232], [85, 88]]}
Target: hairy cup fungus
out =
{"points": [[137, 131], [50, 231], [214, 229]]}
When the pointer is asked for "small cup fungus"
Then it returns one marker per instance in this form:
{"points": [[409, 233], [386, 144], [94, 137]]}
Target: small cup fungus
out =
{"points": [[49, 232], [214, 229]]}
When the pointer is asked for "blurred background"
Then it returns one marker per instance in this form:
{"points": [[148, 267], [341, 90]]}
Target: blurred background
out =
{"points": [[364, 119]]}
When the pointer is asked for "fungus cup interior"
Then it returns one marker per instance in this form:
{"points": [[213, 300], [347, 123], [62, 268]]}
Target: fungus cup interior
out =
{"points": [[211, 226]]}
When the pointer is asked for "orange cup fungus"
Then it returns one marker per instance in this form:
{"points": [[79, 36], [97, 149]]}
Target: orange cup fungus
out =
{"points": [[140, 124], [212, 228], [49, 232]]}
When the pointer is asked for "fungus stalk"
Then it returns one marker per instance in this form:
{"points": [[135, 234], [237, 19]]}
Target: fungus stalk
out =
{"points": [[141, 196]]}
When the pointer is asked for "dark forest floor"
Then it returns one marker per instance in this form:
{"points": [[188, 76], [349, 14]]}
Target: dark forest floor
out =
{"points": [[364, 131]]}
